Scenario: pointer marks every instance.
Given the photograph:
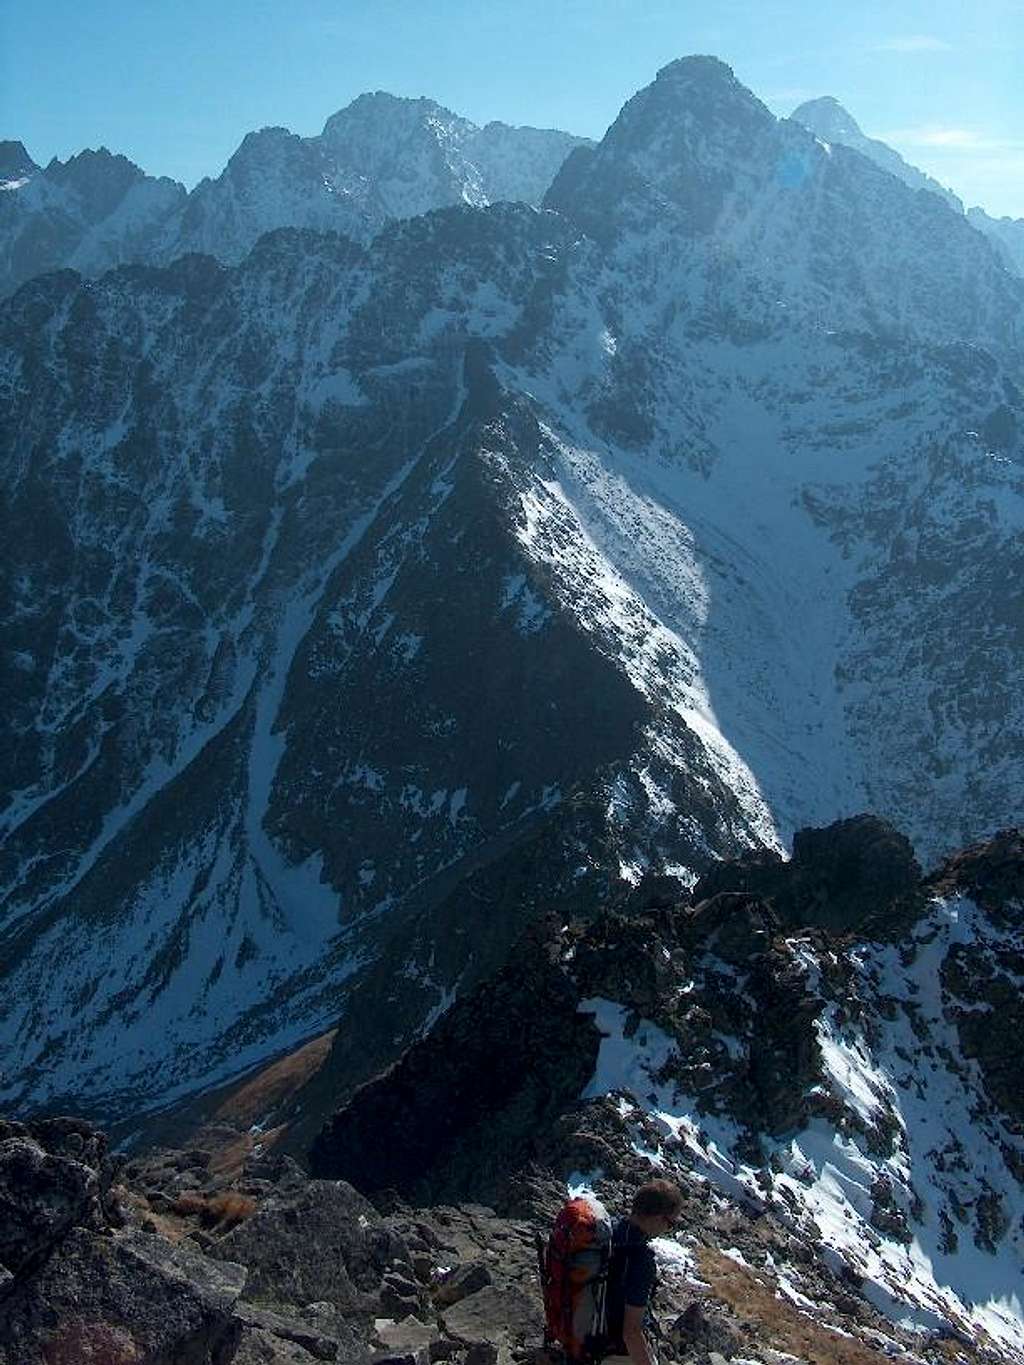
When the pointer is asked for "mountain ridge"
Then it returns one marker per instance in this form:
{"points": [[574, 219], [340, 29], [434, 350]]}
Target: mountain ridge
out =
{"points": [[348, 179]]}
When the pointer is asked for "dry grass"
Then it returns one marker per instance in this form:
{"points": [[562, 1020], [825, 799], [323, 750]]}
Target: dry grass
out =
{"points": [[220, 1211], [227, 1157], [778, 1322], [263, 1092]]}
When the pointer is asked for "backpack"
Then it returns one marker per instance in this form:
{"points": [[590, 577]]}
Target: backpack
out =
{"points": [[574, 1275]]}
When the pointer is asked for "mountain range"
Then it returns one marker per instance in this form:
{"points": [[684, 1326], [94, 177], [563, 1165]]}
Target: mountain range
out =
{"points": [[380, 158], [370, 592]]}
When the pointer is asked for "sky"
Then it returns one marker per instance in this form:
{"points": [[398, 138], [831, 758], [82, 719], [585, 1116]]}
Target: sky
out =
{"points": [[176, 84]]}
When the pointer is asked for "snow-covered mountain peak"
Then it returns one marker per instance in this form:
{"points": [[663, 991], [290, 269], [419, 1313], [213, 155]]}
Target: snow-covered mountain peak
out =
{"points": [[378, 108], [269, 154], [684, 145], [383, 157], [828, 119], [690, 105], [413, 150]]}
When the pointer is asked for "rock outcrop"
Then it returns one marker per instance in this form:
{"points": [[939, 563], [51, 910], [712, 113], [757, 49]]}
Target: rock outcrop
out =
{"points": [[838, 878]]}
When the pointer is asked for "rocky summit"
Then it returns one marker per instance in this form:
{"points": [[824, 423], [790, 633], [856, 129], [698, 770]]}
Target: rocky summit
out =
{"points": [[833, 1104], [423, 531]]}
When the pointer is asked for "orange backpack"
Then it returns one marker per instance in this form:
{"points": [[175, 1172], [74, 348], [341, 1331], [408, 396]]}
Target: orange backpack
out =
{"points": [[574, 1276]]}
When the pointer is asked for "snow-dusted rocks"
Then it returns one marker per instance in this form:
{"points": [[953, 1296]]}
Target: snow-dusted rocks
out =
{"points": [[829, 1086], [827, 118], [379, 159]]}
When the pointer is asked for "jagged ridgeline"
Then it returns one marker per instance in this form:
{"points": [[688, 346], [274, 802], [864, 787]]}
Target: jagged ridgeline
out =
{"points": [[821, 1052], [366, 595]]}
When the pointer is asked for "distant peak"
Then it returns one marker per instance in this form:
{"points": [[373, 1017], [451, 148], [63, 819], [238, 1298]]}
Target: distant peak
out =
{"points": [[384, 99], [692, 91], [260, 140], [697, 68], [97, 156], [379, 106], [93, 164], [827, 117], [15, 161]]}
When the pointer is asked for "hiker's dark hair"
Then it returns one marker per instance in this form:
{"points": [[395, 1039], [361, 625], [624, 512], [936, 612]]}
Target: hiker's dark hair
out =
{"points": [[657, 1198]]}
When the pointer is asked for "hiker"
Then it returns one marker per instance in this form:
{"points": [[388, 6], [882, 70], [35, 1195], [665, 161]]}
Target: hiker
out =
{"points": [[598, 1278], [631, 1271]]}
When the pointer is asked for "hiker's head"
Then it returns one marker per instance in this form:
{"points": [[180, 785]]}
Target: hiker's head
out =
{"points": [[656, 1207]]}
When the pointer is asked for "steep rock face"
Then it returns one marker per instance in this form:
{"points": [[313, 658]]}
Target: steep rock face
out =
{"points": [[15, 164], [832, 123], [906, 1138], [827, 118], [476, 1098]]}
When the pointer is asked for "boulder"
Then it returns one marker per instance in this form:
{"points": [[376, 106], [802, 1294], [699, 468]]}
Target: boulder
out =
{"points": [[323, 1243], [466, 1280], [407, 1335], [42, 1196], [122, 1300], [319, 1341], [839, 878], [258, 1347], [505, 1315]]}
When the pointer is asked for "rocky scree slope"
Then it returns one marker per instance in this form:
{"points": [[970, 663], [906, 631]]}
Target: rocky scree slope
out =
{"points": [[779, 1070], [380, 158], [634, 533]]}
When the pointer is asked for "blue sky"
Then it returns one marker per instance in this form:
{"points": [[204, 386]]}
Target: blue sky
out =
{"points": [[175, 84]]}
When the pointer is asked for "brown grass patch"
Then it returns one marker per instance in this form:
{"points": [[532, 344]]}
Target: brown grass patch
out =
{"points": [[268, 1088], [220, 1211], [777, 1321]]}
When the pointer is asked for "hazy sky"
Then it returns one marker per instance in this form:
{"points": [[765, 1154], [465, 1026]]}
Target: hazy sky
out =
{"points": [[175, 84]]}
